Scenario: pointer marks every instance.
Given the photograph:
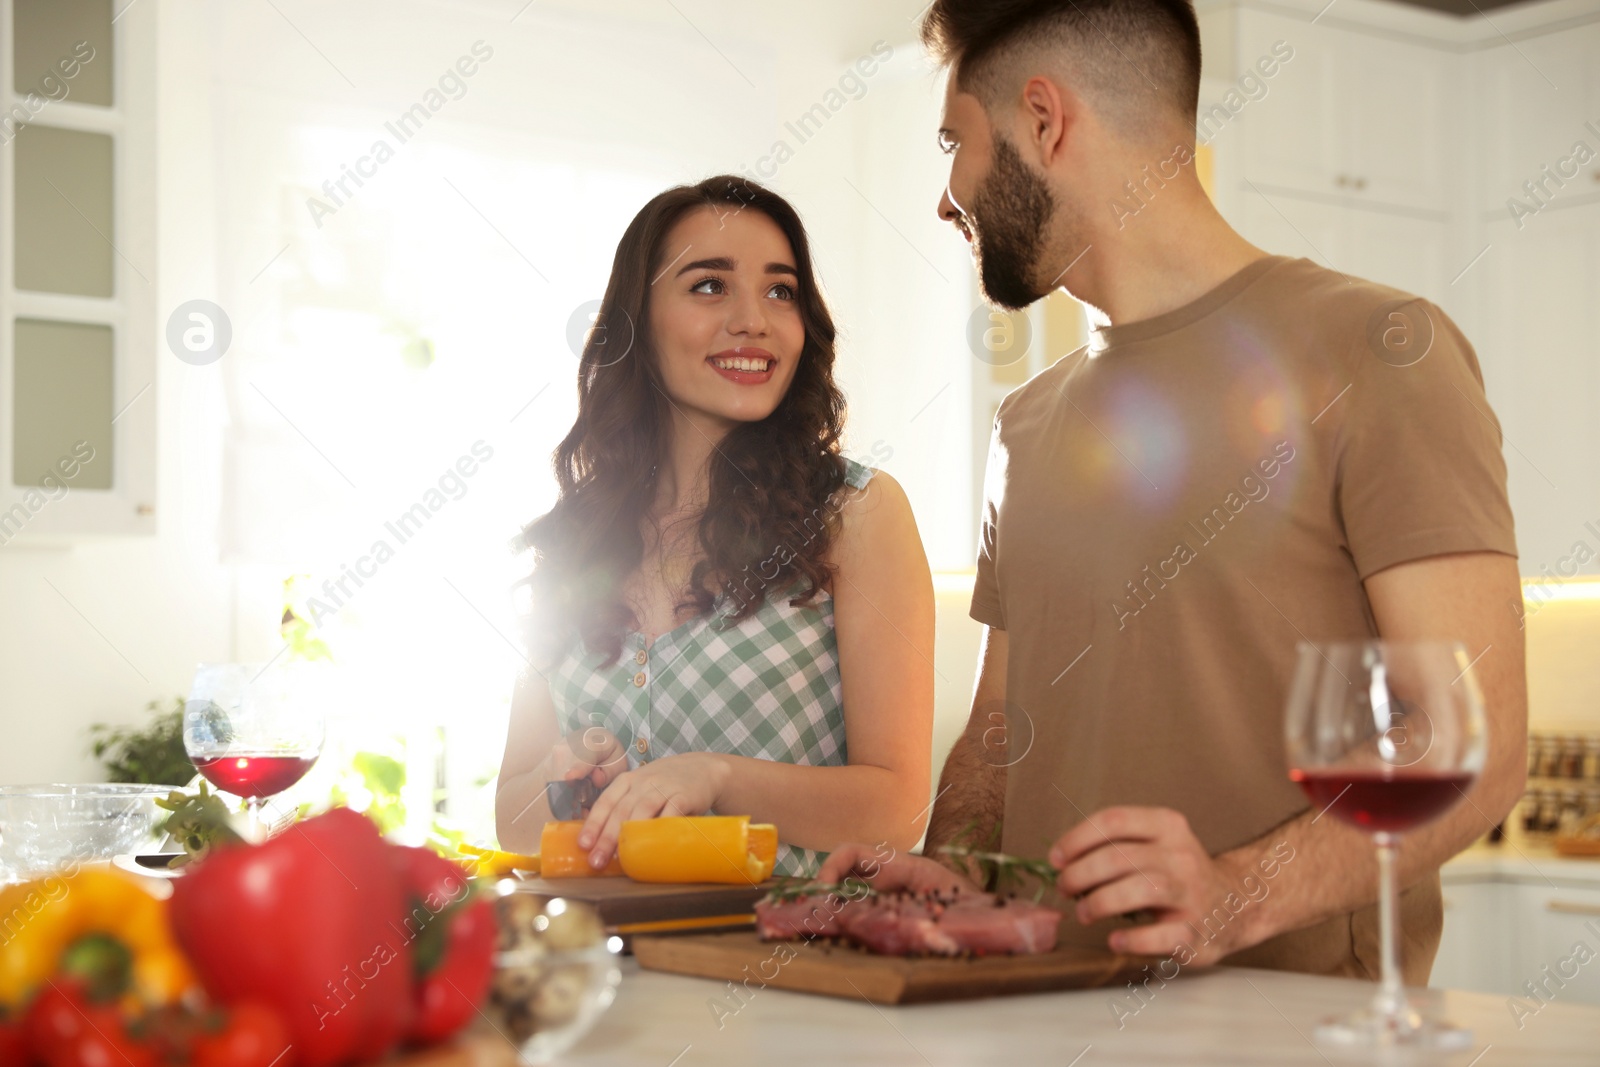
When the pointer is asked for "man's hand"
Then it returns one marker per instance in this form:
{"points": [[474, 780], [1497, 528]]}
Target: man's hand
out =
{"points": [[891, 872], [1129, 859]]}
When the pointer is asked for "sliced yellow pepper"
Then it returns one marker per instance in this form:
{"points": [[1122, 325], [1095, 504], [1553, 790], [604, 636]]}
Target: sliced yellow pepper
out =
{"points": [[492, 863], [95, 921], [560, 856], [698, 848]]}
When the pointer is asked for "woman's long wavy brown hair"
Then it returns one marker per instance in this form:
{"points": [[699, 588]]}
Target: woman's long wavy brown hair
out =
{"points": [[767, 525]]}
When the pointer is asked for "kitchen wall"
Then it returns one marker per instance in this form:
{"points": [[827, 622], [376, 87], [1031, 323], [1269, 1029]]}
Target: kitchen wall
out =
{"points": [[1563, 674]]}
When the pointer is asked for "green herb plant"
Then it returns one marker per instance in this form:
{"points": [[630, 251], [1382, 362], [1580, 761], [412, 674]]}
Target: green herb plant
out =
{"points": [[149, 755]]}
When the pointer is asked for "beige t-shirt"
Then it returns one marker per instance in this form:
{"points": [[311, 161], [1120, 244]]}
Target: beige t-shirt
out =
{"points": [[1171, 508]]}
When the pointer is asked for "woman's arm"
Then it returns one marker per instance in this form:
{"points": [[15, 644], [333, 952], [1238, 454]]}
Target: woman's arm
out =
{"points": [[536, 755], [883, 616]]}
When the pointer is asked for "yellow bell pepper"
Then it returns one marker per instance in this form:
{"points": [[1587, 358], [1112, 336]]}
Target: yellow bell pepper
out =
{"points": [[560, 856], [698, 848], [492, 863], [96, 923]]}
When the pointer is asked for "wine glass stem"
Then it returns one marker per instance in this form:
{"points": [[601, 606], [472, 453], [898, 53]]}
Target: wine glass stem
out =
{"points": [[252, 806], [1390, 1000]]}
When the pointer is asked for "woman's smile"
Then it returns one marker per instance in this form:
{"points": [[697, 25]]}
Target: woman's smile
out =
{"points": [[744, 365]]}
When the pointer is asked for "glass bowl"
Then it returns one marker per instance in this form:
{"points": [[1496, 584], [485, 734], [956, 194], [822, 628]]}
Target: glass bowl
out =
{"points": [[556, 973], [47, 828]]}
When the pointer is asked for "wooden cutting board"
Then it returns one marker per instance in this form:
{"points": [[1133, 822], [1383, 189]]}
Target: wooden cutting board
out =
{"points": [[622, 900], [837, 970], [468, 1051]]}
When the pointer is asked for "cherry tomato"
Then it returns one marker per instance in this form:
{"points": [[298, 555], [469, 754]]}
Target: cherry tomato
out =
{"points": [[58, 1014], [13, 1041], [254, 1036], [104, 1046]]}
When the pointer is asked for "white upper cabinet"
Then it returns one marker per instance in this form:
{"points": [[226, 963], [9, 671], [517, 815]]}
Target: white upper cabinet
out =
{"points": [[77, 270], [1540, 288], [1541, 117], [1350, 115], [1406, 252]]}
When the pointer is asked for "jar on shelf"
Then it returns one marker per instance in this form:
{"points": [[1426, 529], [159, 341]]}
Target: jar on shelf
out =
{"points": [[1549, 756], [1549, 811], [1572, 757], [1528, 812]]}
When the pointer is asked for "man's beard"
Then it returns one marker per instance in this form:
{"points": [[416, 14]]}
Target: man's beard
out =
{"points": [[1009, 214]]}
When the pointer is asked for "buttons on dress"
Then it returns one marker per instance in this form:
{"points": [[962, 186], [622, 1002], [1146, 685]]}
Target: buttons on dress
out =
{"points": [[638, 680], [642, 745], [640, 657]]}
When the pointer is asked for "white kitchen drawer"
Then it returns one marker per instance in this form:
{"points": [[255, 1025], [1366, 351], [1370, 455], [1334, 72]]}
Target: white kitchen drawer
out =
{"points": [[1559, 931], [1476, 942]]}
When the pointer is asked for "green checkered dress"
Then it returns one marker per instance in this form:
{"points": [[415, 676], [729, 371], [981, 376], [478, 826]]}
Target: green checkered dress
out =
{"points": [[766, 687]]}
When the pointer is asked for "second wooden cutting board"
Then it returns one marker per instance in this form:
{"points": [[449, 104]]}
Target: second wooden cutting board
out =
{"points": [[841, 971], [622, 900]]}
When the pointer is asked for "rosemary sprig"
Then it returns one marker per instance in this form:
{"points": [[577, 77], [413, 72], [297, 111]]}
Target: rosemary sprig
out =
{"points": [[998, 869], [793, 887]]}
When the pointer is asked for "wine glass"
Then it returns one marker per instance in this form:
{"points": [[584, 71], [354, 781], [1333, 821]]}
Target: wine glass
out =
{"points": [[1386, 736], [249, 733]]}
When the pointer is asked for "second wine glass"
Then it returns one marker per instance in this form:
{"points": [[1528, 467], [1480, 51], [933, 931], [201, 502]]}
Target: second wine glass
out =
{"points": [[1386, 736], [248, 733]]}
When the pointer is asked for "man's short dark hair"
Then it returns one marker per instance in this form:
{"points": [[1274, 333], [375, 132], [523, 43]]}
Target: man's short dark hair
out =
{"points": [[1137, 62]]}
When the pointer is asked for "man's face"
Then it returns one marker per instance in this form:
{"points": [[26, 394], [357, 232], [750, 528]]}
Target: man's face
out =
{"points": [[1000, 204]]}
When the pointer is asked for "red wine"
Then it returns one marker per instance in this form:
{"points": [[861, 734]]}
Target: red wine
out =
{"points": [[1379, 801], [254, 775]]}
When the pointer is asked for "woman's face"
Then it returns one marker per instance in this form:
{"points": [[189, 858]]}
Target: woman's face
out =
{"points": [[725, 315]]}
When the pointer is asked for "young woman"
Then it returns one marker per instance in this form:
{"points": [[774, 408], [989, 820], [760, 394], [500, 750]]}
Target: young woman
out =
{"points": [[727, 614]]}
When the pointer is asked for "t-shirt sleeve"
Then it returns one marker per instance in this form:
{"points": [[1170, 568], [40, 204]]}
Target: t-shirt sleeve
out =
{"points": [[1420, 467], [986, 589]]}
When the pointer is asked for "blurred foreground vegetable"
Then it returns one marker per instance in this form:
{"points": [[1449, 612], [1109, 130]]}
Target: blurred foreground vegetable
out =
{"points": [[310, 924], [98, 926], [453, 937]]}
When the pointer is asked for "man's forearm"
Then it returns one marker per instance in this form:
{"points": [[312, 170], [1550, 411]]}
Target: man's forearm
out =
{"points": [[971, 796]]}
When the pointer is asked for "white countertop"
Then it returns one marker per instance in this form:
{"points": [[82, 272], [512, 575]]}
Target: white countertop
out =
{"points": [[1226, 1017], [1523, 861]]}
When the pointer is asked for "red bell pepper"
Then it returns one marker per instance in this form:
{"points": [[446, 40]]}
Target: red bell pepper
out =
{"points": [[453, 931], [13, 1039], [307, 925]]}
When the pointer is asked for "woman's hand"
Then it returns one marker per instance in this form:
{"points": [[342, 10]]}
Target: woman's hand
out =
{"points": [[686, 784], [594, 753]]}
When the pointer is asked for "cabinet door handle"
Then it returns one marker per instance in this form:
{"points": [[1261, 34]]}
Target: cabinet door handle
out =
{"points": [[1567, 907]]}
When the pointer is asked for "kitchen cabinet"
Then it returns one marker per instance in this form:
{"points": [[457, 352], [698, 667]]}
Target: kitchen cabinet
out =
{"points": [[1511, 919], [1474, 951], [78, 328], [1352, 115], [1389, 150], [1558, 943], [1404, 250], [1539, 99], [1540, 318]]}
